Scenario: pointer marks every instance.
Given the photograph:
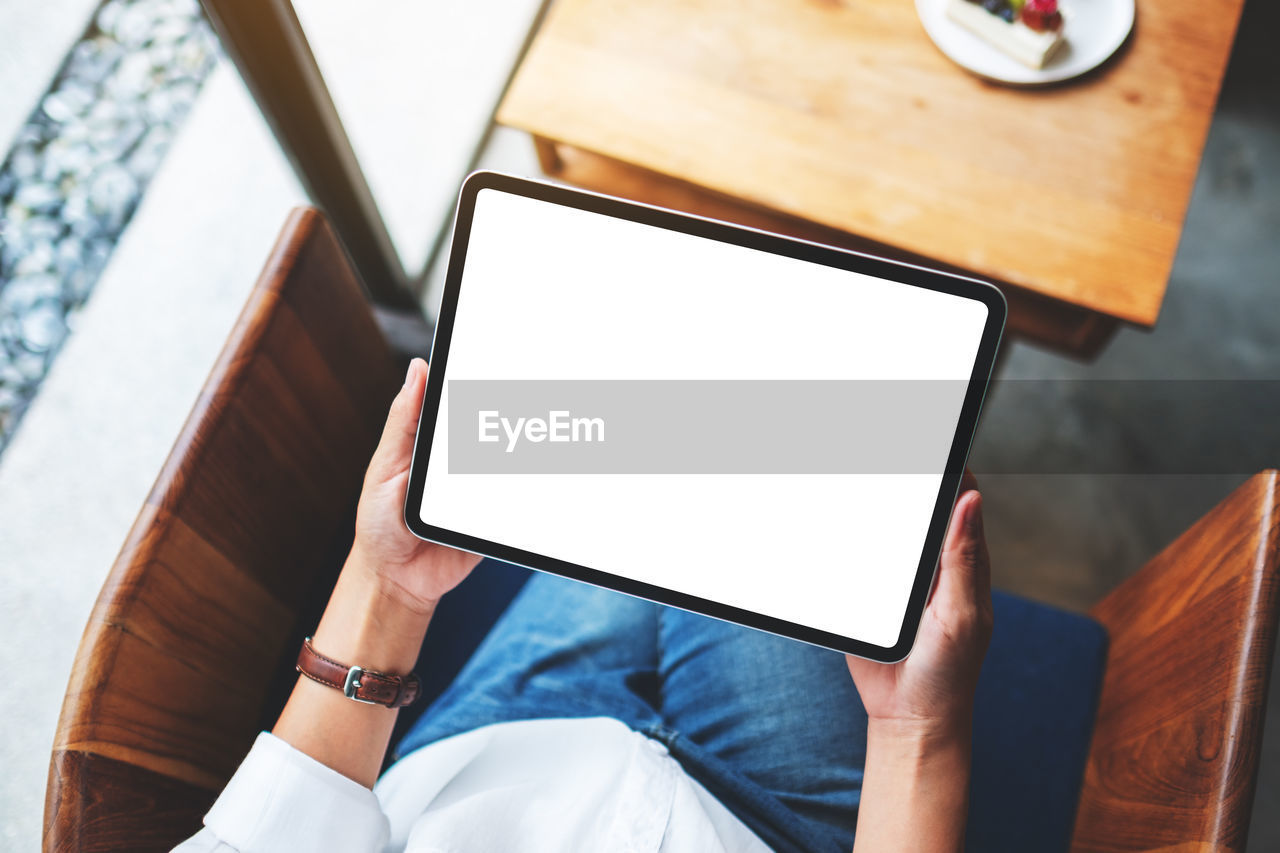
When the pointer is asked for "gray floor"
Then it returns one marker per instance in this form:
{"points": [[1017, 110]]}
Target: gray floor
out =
{"points": [[36, 38], [1153, 470]]}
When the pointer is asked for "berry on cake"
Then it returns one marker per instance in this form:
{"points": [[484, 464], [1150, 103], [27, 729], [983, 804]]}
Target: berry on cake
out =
{"points": [[1028, 30]]}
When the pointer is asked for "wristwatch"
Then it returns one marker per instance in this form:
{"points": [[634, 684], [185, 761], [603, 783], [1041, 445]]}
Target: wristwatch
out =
{"points": [[358, 683]]}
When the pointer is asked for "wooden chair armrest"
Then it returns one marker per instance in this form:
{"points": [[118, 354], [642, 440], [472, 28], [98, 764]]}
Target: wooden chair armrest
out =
{"points": [[245, 528], [1174, 756]]}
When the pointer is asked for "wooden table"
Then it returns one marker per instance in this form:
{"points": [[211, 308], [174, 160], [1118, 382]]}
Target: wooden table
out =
{"points": [[838, 120]]}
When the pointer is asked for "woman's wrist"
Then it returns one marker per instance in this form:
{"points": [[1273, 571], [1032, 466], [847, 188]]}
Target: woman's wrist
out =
{"points": [[931, 750], [366, 623], [915, 785], [925, 734]]}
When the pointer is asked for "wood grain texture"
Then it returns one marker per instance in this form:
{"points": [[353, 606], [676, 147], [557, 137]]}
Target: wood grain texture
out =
{"points": [[1174, 756], [240, 535], [1068, 329], [845, 114], [155, 808]]}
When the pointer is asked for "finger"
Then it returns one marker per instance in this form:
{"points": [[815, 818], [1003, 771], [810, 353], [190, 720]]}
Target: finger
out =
{"points": [[968, 482], [964, 575], [395, 449]]}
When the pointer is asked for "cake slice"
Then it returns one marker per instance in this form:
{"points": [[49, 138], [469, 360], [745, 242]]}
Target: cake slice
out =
{"points": [[1028, 30]]}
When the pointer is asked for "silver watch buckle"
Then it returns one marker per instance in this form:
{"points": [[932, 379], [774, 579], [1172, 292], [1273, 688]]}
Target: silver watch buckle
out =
{"points": [[352, 684]]}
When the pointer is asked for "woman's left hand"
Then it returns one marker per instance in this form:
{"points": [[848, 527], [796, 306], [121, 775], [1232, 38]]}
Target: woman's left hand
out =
{"points": [[413, 572]]}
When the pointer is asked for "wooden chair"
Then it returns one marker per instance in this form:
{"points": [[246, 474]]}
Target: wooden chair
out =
{"points": [[1174, 757], [188, 652]]}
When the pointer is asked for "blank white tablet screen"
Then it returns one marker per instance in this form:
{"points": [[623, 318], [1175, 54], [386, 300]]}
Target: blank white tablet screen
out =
{"points": [[553, 294]]}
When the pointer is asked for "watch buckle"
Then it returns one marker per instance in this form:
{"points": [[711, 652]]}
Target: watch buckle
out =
{"points": [[352, 684]]}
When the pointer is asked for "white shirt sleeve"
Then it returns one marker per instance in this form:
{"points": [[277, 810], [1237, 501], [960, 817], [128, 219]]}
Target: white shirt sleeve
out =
{"points": [[281, 799]]}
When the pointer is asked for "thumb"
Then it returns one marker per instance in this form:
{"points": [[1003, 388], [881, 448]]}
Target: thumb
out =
{"points": [[964, 575], [395, 449]]}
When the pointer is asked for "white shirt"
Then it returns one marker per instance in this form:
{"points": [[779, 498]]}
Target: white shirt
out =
{"points": [[534, 785]]}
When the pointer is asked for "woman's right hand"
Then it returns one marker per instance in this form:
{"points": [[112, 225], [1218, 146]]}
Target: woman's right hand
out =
{"points": [[933, 688], [920, 710]]}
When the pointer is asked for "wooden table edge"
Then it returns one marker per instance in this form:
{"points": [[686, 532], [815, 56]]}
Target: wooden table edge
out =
{"points": [[1065, 327]]}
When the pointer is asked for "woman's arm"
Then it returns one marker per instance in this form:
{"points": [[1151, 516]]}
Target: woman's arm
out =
{"points": [[915, 789], [380, 607]]}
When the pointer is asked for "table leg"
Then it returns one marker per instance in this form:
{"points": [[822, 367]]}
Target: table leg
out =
{"points": [[548, 156]]}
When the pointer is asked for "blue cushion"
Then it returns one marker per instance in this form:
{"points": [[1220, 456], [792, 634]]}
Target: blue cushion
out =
{"points": [[1033, 717], [1037, 697], [458, 628]]}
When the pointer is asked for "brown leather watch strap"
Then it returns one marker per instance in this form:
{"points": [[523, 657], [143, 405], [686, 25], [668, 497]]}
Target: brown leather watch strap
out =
{"points": [[362, 685]]}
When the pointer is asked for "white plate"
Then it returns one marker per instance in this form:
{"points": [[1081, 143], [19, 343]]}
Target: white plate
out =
{"points": [[1094, 29]]}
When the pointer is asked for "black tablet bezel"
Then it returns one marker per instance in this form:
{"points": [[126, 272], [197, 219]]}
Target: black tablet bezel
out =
{"points": [[967, 288]]}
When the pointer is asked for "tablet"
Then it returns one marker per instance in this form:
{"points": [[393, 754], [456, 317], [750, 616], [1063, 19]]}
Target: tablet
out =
{"points": [[755, 428]]}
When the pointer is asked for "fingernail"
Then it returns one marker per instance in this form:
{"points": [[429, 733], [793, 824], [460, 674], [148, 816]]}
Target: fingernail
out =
{"points": [[974, 519], [408, 377]]}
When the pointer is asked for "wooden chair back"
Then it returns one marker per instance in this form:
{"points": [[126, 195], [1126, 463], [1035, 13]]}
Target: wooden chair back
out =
{"points": [[189, 647], [1174, 757]]}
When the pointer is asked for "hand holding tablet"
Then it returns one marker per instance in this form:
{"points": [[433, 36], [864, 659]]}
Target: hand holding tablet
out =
{"points": [[738, 424]]}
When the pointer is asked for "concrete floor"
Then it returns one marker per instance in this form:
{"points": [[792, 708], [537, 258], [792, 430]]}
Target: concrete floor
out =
{"points": [[91, 444], [35, 39], [416, 86], [1070, 538]]}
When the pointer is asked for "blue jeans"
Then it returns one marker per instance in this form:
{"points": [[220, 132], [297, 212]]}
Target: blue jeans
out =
{"points": [[772, 727]]}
